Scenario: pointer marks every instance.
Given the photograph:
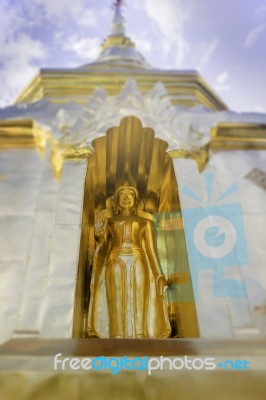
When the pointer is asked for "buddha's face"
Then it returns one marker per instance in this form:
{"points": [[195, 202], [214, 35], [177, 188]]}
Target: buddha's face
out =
{"points": [[126, 199]]}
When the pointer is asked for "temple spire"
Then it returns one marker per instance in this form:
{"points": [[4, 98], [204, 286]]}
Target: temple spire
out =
{"points": [[118, 28], [117, 35], [118, 50]]}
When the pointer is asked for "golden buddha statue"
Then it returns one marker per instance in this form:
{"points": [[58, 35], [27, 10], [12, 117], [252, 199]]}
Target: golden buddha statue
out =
{"points": [[127, 285]]}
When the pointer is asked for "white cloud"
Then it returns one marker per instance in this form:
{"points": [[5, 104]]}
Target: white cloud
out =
{"points": [[15, 76], [253, 35], [142, 42], [88, 18], [21, 54], [221, 84], [206, 50], [54, 8], [87, 48], [11, 20], [23, 47], [182, 49], [143, 45], [170, 17], [18, 51], [221, 78], [60, 12], [18, 65]]}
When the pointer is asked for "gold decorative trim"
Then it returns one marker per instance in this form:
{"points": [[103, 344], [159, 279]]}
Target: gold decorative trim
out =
{"points": [[59, 86], [22, 133], [28, 134], [226, 136], [200, 155], [32, 91], [234, 136], [121, 40], [60, 152]]}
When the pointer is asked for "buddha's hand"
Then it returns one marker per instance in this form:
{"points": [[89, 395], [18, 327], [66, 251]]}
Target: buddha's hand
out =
{"points": [[160, 284], [100, 223]]}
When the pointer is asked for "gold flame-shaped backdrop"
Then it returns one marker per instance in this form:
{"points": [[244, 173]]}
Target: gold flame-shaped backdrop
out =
{"points": [[131, 155]]}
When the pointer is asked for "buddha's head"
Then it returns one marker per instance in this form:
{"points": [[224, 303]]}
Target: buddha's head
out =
{"points": [[126, 199]]}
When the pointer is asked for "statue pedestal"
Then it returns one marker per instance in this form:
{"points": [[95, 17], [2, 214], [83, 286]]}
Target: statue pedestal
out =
{"points": [[132, 348], [27, 369]]}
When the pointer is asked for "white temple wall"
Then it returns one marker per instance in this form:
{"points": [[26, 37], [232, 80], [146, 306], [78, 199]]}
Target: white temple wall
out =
{"points": [[30, 315], [58, 306], [20, 180], [40, 224], [231, 316], [232, 166]]}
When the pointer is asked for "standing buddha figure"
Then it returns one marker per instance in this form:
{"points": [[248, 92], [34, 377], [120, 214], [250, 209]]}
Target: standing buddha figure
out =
{"points": [[127, 286]]}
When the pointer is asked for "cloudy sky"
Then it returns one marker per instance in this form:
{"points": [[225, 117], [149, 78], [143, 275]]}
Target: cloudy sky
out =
{"points": [[224, 40]]}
